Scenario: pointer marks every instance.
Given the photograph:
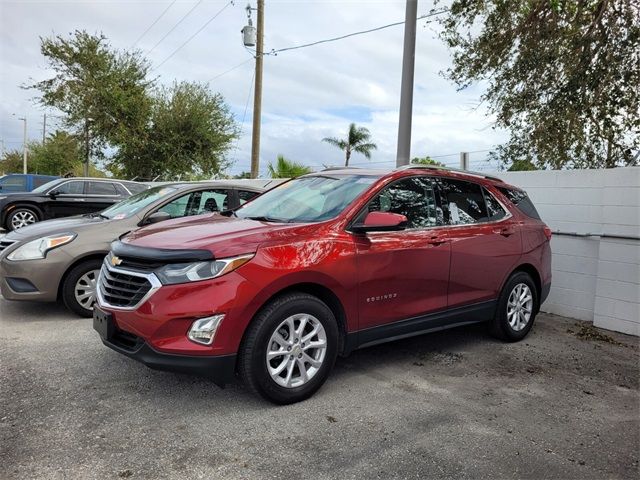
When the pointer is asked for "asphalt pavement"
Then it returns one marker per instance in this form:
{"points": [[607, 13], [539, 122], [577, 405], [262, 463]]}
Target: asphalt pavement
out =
{"points": [[563, 403]]}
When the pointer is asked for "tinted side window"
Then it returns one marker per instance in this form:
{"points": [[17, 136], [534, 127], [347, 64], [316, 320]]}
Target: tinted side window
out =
{"points": [[521, 200], [39, 181], [71, 188], [245, 195], [462, 202], [121, 190], [14, 181], [136, 187], [413, 197], [101, 188], [494, 209]]}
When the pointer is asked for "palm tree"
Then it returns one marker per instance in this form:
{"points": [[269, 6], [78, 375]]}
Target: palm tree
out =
{"points": [[358, 140], [287, 168]]}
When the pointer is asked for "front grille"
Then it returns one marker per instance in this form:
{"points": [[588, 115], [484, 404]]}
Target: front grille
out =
{"points": [[120, 289], [4, 244], [139, 265], [126, 341]]}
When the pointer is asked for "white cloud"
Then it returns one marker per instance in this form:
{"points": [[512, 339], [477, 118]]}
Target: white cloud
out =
{"points": [[308, 94]]}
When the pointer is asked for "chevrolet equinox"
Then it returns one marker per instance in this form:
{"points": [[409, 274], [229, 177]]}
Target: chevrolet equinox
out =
{"points": [[319, 266]]}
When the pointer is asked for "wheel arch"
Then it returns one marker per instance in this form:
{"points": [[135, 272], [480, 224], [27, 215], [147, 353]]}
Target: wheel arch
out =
{"points": [[535, 276], [6, 212], [323, 293], [90, 256]]}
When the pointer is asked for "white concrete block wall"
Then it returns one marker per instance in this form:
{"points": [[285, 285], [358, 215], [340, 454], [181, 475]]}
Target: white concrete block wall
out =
{"points": [[594, 278]]}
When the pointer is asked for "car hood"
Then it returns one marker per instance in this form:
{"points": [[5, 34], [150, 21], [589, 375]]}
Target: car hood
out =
{"points": [[224, 236], [76, 224]]}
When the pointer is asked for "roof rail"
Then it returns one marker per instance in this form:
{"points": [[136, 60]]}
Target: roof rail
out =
{"points": [[328, 169], [449, 169]]}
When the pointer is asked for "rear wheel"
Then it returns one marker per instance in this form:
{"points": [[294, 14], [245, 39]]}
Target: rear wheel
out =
{"points": [[21, 217], [289, 349], [79, 287], [517, 308]]}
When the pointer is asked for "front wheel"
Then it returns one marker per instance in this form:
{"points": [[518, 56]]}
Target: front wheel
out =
{"points": [[21, 217], [289, 349], [79, 287], [517, 308]]}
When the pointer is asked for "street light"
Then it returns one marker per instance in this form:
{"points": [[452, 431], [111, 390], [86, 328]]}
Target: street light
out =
{"points": [[24, 144]]}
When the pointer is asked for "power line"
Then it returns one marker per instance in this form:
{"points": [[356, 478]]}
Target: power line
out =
{"points": [[230, 70], [153, 24], [361, 32], [175, 26], [196, 33]]}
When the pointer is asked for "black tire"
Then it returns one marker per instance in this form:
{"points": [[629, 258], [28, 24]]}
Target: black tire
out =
{"points": [[252, 363], [500, 326], [69, 285], [18, 211]]}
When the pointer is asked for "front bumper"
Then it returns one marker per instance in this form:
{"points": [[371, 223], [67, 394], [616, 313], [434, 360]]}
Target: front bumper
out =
{"points": [[218, 368], [43, 274]]}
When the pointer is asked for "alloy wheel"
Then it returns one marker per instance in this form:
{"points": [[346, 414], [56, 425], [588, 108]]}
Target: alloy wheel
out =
{"points": [[85, 289], [22, 218], [519, 307], [296, 350]]}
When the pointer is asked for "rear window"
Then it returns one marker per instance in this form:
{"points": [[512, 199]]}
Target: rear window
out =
{"points": [[521, 200]]}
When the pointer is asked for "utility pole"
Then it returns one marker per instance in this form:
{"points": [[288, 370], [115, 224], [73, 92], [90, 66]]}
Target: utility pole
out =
{"points": [[464, 160], [85, 165], [406, 91], [257, 94], [44, 128], [24, 146]]}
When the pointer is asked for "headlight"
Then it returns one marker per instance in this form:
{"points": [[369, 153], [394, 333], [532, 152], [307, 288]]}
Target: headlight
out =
{"points": [[193, 272], [39, 248]]}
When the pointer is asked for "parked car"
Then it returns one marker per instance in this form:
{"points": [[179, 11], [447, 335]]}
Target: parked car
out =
{"points": [[63, 198], [320, 266], [18, 182], [61, 259]]}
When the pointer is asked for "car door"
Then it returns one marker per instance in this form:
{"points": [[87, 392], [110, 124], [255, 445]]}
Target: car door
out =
{"points": [[485, 241], [100, 195], [403, 274], [66, 199]]}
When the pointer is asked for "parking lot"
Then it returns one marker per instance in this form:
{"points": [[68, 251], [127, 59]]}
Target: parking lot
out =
{"points": [[562, 404]]}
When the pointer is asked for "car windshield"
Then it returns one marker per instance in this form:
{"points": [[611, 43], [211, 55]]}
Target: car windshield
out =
{"points": [[47, 186], [134, 203], [307, 199]]}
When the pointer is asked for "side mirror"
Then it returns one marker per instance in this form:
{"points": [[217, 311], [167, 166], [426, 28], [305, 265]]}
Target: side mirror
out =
{"points": [[54, 193], [381, 222], [157, 217]]}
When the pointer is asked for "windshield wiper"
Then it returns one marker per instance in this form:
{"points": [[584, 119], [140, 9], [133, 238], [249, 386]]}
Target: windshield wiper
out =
{"points": [[266, 219], [228, 213]]}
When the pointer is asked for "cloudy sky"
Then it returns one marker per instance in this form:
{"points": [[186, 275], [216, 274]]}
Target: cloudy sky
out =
{"points": [[308, 94]]}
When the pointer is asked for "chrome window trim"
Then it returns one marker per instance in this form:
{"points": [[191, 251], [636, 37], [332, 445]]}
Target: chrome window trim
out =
{"points": [[150, 277]]}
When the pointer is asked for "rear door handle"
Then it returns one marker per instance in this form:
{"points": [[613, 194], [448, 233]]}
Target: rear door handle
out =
{"points": [[436, 239], [504, 231]]}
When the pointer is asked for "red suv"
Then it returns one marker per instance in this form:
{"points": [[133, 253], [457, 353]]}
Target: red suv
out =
{"points": [[320, 266]]}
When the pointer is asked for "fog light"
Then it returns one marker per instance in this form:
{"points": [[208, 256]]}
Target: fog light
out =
{"points": [[203, 330]]}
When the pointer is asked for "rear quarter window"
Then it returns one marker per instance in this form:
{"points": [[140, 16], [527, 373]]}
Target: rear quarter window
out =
{"points": [[521, 200]]}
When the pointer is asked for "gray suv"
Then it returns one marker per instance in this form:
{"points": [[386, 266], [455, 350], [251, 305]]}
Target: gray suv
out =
{"points": [[61, 259]]}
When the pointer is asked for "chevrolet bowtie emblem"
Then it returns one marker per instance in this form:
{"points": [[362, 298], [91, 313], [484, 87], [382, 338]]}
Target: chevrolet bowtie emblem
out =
{"points": [[115, 261]]}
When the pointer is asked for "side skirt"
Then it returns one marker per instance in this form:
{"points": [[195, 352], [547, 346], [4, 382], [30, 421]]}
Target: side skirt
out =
{"points": [[432, 322]]}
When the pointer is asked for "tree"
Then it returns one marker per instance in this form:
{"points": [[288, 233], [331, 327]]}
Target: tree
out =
{"points": [[562, 76], [426, 161], [188, 133], [358, 140], [61, 154], [12, 162], [102, 93], [287, 169], [523, 165]]}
